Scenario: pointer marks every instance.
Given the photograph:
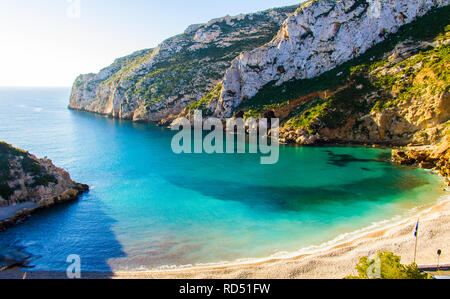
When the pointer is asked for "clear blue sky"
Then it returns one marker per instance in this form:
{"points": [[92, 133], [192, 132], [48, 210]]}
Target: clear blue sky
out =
{"points": [[46, 42]]}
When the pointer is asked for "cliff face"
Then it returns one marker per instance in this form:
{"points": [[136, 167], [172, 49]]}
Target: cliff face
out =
{"points": [[152, 84], [402, 99], [27, 179], [318, 37], [396, 92], [355, 71]]}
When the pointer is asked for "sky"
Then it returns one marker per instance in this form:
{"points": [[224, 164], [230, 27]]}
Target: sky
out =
{"points": [[51, 42]]}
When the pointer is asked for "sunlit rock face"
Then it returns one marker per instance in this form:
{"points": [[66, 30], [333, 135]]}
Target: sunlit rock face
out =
{"points": [[152, 84], [318, 37]]}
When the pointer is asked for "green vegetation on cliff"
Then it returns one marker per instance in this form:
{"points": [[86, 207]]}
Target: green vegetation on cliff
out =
{"points": [[333, 111], [368, 87], [427, 28], [425, 74], [316, 109], [206, 100], [182, 70], [29, 166]]}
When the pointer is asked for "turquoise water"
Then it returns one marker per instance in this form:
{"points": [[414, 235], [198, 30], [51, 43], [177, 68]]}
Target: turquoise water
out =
{"points": [[150, 208]]}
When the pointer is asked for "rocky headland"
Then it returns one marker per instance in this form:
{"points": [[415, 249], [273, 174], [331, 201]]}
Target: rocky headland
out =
{"points": [[436, 158], [28, 184], [152, 84]]}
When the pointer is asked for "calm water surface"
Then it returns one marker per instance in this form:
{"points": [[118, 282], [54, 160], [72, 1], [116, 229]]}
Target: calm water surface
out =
{"points": [[150, 208]]}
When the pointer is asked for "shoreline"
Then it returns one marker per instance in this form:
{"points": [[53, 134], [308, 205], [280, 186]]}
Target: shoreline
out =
{"points": [[338, 241], [308, 262], [343, 255], [339, 247], [439, 208], [30, 184], [18, 213]]}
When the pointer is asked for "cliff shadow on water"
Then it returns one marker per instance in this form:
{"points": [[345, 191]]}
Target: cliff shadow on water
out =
{"points": [[386, 182], [47, 253]]}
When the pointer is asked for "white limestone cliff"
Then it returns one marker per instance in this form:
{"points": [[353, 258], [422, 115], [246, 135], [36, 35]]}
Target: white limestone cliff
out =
{"points": [[152, 84], [318, 37]]}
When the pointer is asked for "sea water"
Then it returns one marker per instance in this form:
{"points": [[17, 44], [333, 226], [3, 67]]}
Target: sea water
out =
{"points": [[150, 208]]}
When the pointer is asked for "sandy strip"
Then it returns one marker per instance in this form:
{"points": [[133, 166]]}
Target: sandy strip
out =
{"points": [[336, 262], [340, 260]]}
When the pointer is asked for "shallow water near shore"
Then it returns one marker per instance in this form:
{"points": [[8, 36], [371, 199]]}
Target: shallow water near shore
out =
{"points": [[150, 208]]}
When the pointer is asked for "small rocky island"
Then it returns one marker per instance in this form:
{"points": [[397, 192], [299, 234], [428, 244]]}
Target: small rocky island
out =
{"points": [[28, 184]]}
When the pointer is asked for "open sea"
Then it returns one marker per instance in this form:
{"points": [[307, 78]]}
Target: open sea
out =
{"points": [[150, 208]]}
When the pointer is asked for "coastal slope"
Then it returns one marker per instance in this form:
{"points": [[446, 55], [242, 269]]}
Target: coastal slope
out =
{"points": [[28, 183], [336, 260], [358, 72], [364, 72], [152, 84], [397, 93], [320, 36]]}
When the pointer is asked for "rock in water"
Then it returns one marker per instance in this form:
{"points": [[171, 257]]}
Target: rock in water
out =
{"points": [[13, 257]]}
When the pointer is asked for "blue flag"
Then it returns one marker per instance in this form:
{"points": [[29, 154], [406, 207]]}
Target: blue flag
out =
{"points": [[417, 229]]}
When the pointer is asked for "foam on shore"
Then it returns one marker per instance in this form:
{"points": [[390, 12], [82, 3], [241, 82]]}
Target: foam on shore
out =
{"points": [[341, 240]]}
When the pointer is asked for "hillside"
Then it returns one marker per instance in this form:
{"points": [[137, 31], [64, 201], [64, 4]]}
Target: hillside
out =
{"points": [[319, 37], [152, 84], [352, 71], [396, 93]]}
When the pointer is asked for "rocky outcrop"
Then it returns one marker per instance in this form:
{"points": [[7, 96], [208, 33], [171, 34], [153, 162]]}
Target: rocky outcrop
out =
{"points": [[318, 37], [436, 158], [290, 135], [152, 84], [31, 183]]}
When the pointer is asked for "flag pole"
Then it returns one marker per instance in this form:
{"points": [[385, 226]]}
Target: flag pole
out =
{"points": [[415, 251], [439, 252], [417, 236]]}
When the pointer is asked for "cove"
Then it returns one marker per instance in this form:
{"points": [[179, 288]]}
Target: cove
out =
{"points": [[150, 208]]}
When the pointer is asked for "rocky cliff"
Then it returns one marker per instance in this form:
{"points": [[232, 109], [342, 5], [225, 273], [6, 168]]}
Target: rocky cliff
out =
{"points": [[395, 93], [398, 94], [28, 181], [152, 84], [318, 37], [350, 71]]}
